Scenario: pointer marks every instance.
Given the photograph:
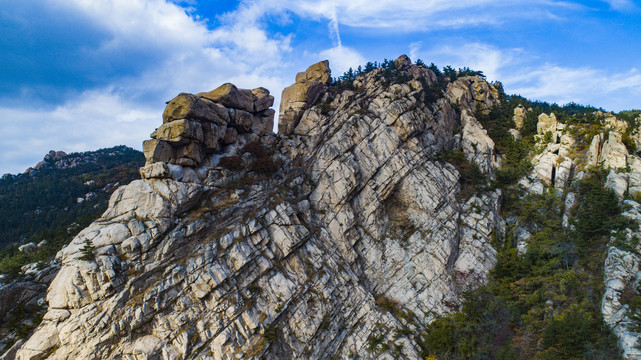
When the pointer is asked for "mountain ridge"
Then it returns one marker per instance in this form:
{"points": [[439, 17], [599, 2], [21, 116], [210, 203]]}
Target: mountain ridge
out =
{"points": [[370, 214]]}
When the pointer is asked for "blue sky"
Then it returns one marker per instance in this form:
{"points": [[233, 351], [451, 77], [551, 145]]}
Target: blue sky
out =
{"points": [[79, 75]]}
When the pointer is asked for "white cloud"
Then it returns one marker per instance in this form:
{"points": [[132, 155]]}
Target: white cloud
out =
{"points": [[411, 15], [620, 4], [414, 49], [341, 58], [477, 56], [141, 21], [193, 55], [95, 120], [583, 85], [522, 74]]}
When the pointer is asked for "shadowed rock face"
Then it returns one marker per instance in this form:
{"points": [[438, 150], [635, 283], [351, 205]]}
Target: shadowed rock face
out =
{"points": [[359, 231]]}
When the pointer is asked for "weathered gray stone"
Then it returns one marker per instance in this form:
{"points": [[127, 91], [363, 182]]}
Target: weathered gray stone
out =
{"points": [[157, 151], [263, 101], [156, 170], [179, 132], [231, 135]]}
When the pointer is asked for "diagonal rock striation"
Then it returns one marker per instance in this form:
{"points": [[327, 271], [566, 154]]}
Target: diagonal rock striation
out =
{"points": [[341, 236]]}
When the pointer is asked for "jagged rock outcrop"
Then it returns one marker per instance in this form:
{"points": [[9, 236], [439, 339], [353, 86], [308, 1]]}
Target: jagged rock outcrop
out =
{"points": [[553, 165], [196, 126], [297, 98], [622, 277], [26, 296], [520, 113], [546, 123], [477, 145], [359, 235], [613, 153], [473, 93]]}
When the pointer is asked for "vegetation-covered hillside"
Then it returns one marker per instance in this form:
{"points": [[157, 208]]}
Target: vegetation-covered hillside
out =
{"points": [[57, 200], [544, 303]]}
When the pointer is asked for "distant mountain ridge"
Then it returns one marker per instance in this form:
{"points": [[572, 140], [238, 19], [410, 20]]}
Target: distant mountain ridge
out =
{"points": [[49, 194]]}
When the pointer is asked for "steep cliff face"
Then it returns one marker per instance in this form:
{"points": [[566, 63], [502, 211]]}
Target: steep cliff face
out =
{"points": [[340, 236]]}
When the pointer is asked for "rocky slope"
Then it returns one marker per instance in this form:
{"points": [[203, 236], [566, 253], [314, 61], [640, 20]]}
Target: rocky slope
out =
{"points": [[40, 211], [343, 236], [335, 238]]}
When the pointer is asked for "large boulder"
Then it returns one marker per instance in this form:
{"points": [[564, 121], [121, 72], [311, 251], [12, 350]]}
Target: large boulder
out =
{"points": [[231, 96], [157, 151], [546, 123], [263, 100], [189, 106], [403, 62], [309, 87], [179, 132]]}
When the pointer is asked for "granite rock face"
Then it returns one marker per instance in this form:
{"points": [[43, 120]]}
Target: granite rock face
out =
{"points": [[359, 230], [298, 97], [341, 237]]}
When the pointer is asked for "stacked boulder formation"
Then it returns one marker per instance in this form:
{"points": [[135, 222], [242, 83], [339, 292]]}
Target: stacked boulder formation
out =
{"points": [[309, 87], [197, 127]]}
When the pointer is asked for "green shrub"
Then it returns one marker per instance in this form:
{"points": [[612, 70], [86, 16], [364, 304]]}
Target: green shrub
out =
{"points": [[87, 251], [270, 333]]}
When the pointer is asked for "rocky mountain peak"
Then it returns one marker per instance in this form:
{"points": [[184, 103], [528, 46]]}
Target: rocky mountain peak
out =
{"points": [[298, 97], [355, 223], [348, 233]]}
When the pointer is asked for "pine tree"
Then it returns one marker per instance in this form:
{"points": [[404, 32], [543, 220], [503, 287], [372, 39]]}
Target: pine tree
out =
{"points": [[435, 69], [369, 67], [87, 251]]}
